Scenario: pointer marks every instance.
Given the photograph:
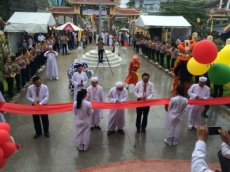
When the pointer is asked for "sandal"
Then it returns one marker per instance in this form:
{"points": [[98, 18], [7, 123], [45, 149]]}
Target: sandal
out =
{"points": [[121, 131]]}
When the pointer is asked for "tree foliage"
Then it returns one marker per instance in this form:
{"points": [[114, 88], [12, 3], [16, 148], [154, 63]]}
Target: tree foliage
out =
{"points": [[190, 10], [5, 9]]}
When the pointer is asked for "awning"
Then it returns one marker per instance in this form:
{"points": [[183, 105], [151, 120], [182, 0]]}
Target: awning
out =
{"points": [[162, 21], [30, 22]]}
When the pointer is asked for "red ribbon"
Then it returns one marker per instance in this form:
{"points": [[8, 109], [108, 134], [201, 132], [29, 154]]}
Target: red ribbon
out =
{"points": [[65, 107]]}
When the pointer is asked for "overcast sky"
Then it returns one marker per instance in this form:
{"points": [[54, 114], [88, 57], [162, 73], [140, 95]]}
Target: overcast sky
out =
{"points": [[123, 2]]}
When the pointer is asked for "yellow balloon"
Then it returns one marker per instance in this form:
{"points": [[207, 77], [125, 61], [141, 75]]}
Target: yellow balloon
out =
{"points": [[224, 55], [227, 85], [196, 68], [217, 60]]}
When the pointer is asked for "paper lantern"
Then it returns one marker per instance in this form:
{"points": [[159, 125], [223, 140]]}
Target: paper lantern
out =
{"points": [[8, 149], [4, 136], [196, 68], [205, 52], [219, 74], [5, 126], [3, 162]]}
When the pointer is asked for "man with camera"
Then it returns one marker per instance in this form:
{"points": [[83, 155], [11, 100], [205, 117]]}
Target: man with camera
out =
{"points": [[100, 45], [199, 154]]}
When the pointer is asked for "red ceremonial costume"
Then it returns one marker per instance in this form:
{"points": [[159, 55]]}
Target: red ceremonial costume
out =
{"points": [[133, 76], [181, 74]]}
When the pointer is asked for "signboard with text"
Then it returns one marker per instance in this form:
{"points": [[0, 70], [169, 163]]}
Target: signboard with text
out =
{"points": [[92, 12]]}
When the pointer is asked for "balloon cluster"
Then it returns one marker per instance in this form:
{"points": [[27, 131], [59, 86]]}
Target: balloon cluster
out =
{"points": [[207, 59], [7, 147]]}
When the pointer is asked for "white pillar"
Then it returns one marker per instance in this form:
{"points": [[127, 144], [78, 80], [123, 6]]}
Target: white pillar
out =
{"points": [[97, 36], [116, 48], [220, 5], [227, 6], [79, 53], [124, 55]]}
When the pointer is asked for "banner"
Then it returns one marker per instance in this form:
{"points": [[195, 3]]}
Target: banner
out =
{"points": [[66, 107]]}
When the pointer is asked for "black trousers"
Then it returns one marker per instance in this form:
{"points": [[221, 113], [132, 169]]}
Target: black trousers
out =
{"points": [[100, 55], [10, 83], [38, 62], [162, 59], [168, 61], [32, 68], [23, 77], [27, 73], [153, 54], [218, 90], [137, 48], [142, 124], [56, 47], [173, 62], [90, 39], [37, 123], [134, 46], [64, 49], [224, 162], [18, 81], [158, 56], [2, 87]]}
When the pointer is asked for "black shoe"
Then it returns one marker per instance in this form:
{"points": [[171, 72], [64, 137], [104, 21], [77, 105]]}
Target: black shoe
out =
{"points": [[98, 127], [92, 128], [37, 135], [143, 131], [138, 130], [205, 115], [47, 134]]}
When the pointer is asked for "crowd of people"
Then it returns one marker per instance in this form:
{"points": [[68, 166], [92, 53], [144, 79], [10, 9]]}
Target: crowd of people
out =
{"points": [[45, 51]]}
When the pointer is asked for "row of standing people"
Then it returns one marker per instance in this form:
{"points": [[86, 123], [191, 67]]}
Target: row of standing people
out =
{"points": [[157, 51]]}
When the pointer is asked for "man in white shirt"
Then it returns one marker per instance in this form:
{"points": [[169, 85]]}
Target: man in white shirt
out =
{"points": [[144, 90], [199, 154], [199, 92], [41, 37], [79, 80], [38, 95]]}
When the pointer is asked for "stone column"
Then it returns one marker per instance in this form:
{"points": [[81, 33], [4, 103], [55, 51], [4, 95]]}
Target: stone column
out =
{"points": [[79, 52]]}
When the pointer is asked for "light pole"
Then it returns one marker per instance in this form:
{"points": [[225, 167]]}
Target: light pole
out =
{"points": [[99, 29]]}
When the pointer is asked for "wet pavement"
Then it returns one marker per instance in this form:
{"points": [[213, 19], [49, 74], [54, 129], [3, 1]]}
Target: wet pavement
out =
{"points": [[59, 154]]}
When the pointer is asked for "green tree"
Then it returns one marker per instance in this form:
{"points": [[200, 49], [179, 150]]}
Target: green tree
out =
{"points": [[190, 10], [5, 9]]}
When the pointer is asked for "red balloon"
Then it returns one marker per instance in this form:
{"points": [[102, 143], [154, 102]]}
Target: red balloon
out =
{"points": [[1, 154], [3, 162], [5, 126], [4, 136], [205, 52], [8, 149]]}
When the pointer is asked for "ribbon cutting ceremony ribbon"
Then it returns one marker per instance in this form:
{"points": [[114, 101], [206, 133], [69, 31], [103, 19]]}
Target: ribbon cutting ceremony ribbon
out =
{"points": [[66, 107]]}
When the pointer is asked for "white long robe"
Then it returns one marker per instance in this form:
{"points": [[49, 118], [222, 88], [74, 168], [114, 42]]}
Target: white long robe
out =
{"points": [[2, 118], [82, 124], [110, 40], [76, 79], [194, 112], [51, 67], [96, 94], [117, 116], [177, 106]]}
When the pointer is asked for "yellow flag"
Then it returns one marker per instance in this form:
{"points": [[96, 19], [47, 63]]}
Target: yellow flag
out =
{"points": [[79, 36]]}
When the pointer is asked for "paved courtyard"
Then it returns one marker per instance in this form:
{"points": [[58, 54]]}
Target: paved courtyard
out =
{"points": [[59, 154]]}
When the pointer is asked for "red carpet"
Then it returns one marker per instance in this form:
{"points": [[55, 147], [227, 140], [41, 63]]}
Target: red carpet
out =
{"points": [[147, 166]]}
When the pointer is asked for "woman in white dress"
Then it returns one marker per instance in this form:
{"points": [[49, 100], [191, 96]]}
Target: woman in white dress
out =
{"points": [[110, 39], [177, 106], [82, 111]]}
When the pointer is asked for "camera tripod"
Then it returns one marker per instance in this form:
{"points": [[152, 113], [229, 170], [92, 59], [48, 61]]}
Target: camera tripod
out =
{"points": [[102, 62]]}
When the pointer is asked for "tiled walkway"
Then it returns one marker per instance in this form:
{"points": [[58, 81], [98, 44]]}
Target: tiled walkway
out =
{"points": [[58, 153]]}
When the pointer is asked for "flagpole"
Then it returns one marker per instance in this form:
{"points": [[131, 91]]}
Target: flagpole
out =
{"points": [[99, 29]]}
